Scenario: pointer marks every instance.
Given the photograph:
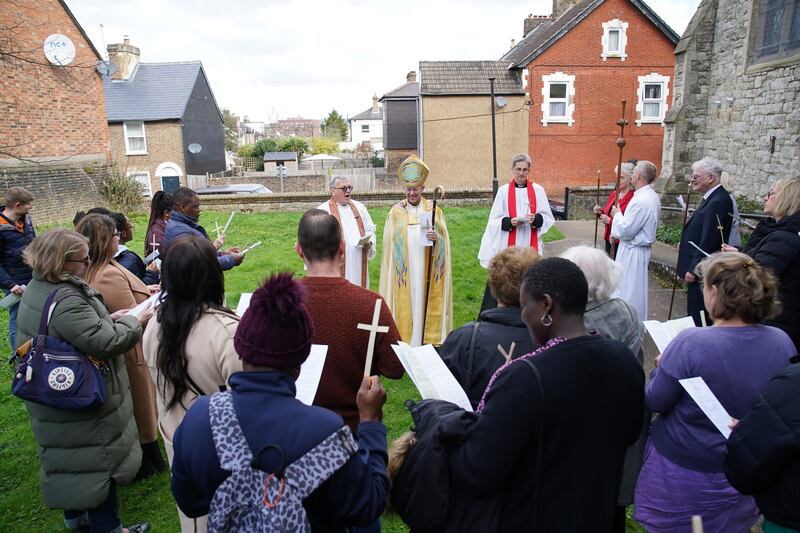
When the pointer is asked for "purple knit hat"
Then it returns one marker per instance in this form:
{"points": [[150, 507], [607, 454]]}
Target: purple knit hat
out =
{"points": [[276, 330]]}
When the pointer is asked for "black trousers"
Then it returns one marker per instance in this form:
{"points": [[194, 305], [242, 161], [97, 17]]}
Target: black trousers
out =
{"points": [[695, 304]]}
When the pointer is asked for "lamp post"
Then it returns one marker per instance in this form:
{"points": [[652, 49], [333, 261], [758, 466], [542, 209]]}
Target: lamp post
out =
{"points": [[494, 143]]}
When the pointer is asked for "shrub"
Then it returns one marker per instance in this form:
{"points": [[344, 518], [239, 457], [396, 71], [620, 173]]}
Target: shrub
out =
{"points": [[123, 193], [669, 233]]}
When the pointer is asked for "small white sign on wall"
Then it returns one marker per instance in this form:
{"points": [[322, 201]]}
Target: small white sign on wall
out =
{"points": [[59, 49]]}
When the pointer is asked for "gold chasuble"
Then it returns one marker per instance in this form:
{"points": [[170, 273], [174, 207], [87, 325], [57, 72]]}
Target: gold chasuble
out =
{"points": [[404, 274]]}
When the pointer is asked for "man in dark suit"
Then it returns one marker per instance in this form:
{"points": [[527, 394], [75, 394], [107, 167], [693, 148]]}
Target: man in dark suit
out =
{"points": [[708, 227]]}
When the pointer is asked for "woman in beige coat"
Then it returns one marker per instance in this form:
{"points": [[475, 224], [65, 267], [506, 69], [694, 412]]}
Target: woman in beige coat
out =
{"points": [[122, 290], [189, 343]]}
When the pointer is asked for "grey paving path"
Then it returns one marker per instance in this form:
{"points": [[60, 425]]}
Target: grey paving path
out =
{"points": [[663, 258]]}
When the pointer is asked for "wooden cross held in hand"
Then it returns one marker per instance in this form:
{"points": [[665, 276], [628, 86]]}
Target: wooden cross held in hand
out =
{"points": [[507, 355], [217, 229], [373, 329], [154, 245]]}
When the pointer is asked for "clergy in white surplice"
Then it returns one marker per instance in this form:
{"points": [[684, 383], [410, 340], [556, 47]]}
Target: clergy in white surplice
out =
{"points": [[636, 231], [416, 262], [357, 227], [520, 214]]}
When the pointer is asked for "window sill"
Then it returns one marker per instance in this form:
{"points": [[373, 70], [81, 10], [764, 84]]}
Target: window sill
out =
{"points": [[755, 68], [135, 153], [654, 121]]}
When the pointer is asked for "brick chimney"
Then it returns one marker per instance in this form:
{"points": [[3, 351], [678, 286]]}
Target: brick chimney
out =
{"points": [[125, 56], [375, 107], [533, 22], [411, 77], [561, 6]]}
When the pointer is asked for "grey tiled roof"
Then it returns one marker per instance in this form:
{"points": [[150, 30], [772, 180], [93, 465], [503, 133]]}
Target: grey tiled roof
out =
{"points": [[156, 91], [280, 156], [405, 91], [368, 115], [468, 77], [547, 33]]}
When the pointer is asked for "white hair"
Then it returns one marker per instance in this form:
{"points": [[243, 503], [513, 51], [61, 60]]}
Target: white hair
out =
{"points": [[333, 179], [627, 169], [710, 166], [520, 157], [602, 273]]}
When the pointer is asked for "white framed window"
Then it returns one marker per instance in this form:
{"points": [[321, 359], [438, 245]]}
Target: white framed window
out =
{"points": [[144, 179], [558, 95], [365, 128], [615, 39], [135, 140], [651, 106]]}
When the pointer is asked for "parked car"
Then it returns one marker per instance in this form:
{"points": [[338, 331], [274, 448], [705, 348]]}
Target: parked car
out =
{"points": [[558, 209], [240, 188]]}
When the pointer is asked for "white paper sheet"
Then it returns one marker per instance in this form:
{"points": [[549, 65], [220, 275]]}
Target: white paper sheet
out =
{"points": [[310, 374], [150, 258], [365, 239], [662, 333], [424, 226], [153, 300], [10, 300], [681, 201], [244, 303], [249, 248], [430, 375], [708, 403]]}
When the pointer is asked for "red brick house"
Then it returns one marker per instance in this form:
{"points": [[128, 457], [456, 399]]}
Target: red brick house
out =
{"points": [[578, 65], [53, 129]]}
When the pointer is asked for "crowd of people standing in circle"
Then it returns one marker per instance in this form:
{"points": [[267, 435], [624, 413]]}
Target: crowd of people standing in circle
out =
{"points": [[565, 431]]}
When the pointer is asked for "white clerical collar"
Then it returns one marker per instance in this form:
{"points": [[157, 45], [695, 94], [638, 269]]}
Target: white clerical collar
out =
{"points": [[711, 190]]}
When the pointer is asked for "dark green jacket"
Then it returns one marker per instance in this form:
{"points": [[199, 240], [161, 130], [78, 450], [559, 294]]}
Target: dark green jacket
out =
{"points": [[81, 451]]}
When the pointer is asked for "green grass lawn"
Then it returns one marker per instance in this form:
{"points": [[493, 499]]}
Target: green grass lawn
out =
{"points": [[21, 506]]}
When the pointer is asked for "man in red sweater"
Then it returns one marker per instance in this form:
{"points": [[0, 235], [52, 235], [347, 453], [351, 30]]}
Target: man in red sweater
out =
{"points": [[337, 307]]}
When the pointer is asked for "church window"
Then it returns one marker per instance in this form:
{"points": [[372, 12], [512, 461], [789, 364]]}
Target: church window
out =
{"points": [[776, 31]]}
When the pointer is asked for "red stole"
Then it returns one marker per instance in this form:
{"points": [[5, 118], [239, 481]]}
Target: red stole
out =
{"points": [[512, 212]]}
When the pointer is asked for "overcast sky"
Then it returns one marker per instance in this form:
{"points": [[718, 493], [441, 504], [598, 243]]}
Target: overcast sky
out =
{"points": [[283, 58]]}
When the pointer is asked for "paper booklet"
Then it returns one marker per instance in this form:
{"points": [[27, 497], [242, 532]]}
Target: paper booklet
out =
{"points": [[662, 333], [154, 300], [10, 300], [310, 374], [708, 403], [430, 375], [424, 226], [244, 303]]}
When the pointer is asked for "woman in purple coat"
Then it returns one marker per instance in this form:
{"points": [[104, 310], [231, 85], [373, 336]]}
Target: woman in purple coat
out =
{"points": [[682, 473]]}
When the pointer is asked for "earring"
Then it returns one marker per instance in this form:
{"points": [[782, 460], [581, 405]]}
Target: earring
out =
{"points": [[547, 320]]}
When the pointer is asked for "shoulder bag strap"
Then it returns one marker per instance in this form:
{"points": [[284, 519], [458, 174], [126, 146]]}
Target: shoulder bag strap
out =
{"points": [[471, 353], [539, 438]]}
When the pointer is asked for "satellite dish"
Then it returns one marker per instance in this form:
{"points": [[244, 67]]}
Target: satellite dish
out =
{"points": [[501, 101], [106, 68], [195, 148], [59, 49]]}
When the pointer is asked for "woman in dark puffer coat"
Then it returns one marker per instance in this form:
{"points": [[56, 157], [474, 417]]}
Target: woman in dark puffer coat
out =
{"points": [[764, 452], [775, 243]]}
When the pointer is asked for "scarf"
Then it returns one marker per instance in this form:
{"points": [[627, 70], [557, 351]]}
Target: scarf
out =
{"points": [[512, 212], [334, 207]]}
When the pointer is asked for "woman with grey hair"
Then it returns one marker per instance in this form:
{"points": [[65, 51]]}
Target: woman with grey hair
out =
{"points": [[609, 316], [616, 319]]}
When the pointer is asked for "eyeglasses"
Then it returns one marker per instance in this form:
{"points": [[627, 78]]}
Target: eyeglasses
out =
{"points": [[346, 188], [86, 260], [770, 194]]}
